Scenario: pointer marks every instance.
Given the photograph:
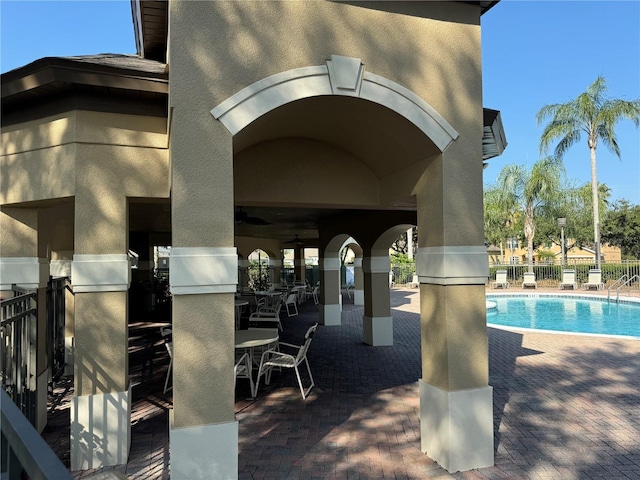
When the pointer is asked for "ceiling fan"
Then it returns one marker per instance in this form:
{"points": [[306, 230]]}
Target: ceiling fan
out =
{"points": [[296, 241], [243, 217]]}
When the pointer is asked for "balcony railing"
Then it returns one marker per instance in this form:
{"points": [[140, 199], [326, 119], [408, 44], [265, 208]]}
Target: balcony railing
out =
{"points": [[19, 340]]}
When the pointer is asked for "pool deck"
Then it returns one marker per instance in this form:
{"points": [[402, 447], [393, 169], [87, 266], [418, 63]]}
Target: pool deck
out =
{"points": [[565, 407]]}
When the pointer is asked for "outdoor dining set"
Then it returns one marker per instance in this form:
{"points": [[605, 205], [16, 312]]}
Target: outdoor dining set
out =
{"points": [[258, 347]]}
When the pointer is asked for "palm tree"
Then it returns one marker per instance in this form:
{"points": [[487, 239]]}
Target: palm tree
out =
{"points": [[525, 193], [595, 115]]}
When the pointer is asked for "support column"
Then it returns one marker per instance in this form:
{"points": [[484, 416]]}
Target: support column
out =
{"points": [[299, 264], [101, 405], [243, 273], [358, 277], [275, 269], [377, 324], [24, 264], [456, 401], [330, 313], [203, 430]]}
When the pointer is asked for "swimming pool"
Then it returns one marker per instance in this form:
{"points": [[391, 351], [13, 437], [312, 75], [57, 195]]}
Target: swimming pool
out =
{"points": [[579, 314]]}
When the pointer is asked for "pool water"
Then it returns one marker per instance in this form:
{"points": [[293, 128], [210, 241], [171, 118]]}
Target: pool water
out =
{"points": [[597, 316]]}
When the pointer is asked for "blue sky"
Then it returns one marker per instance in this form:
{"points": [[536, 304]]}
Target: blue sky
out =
{"points": [[534, 53]]}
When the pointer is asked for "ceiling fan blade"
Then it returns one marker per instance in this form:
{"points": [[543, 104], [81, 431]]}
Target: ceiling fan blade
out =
{"points": [[297, 241], [243, 217], [256, 221]]}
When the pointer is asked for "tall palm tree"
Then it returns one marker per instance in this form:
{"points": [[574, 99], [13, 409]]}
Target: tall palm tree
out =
{"points": [[527, 192], [595, 115]]}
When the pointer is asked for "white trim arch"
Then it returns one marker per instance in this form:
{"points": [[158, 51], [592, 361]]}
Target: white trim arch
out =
{"points": [[339, 76]]}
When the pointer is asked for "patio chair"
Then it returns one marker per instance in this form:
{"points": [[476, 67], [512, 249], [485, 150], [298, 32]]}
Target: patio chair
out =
{"points": [[166, 332], [242, 369], [415, 282], [501, 279], [167, 336], [594, 280], [169, 345], [529, 280], [275, 359], [292, 305], [568, 280], [314, 293], [265, 318]]}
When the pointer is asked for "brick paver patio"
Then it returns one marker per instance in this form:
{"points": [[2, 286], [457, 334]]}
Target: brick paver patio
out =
{"points": [[565, 407]]}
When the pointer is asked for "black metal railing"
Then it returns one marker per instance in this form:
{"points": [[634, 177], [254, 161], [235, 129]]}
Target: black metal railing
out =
{"points": [[56, 290], [23, 449], [19, 340]]}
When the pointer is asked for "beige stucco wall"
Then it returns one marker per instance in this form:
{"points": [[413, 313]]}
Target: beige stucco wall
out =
{"points": [[433, 49], [39, 159], [454, 337], [305, 172]]}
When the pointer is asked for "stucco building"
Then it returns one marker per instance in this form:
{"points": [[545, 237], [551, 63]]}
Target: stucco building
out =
{"points": [[332, 122]]}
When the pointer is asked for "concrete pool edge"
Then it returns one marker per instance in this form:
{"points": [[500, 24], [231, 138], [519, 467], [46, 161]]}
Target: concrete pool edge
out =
{"points": [[576, 295]]}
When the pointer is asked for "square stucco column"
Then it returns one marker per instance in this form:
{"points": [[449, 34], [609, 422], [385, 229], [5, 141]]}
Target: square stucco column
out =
{"points": [[275, 272], [330, 311], [358, 277], [377, 323], [101, 405], [203, 429], [456, 401]]}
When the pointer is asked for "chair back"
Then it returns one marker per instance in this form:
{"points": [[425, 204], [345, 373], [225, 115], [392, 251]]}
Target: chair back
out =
{"points": [[501, 276], [302, 353], [595, 276], [292, 298], [568, 276], [265, 312]]}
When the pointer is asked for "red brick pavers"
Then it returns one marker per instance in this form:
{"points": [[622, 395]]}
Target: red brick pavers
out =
{"points": [[565, 407]]}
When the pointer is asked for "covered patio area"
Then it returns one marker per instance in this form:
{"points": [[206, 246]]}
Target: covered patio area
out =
{"points": [[565, 407]]}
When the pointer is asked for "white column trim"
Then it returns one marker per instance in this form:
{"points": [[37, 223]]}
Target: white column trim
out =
{"points": [[106, 417], [60, 268], [330, 315], [329, 264], [448, 265], [109, 272], [196, 270], [275, 263], [377, 331], [204, 451], [358, 296], [456, 428], [24, 272], [377, 264], [357, 262]]}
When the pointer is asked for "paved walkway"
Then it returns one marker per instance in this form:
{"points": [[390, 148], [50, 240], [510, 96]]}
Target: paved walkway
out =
{"points": [[565, 407]]}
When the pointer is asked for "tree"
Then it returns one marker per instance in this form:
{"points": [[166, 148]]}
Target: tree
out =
{"points": [[575, 206], [500, 219], [527, 193], [621, 228], [595, 115]]}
